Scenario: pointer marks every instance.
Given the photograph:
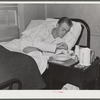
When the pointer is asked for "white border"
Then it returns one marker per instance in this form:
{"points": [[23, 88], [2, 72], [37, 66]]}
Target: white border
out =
{"points": [[51, 94], [50, 2]]}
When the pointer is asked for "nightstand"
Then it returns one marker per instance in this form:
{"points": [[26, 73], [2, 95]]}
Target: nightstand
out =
{"points": [[67, 73]]}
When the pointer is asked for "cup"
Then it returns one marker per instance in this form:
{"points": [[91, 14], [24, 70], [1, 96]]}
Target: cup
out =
{"points": [[84, 56]]}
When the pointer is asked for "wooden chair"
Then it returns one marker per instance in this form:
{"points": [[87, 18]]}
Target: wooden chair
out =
{"points": [[11, 84]]}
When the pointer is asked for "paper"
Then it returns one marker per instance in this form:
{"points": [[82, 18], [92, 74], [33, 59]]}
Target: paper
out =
{"points": [[62, 57]]}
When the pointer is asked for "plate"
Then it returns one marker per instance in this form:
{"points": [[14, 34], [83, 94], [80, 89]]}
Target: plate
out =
{"points": [[62, 57]]}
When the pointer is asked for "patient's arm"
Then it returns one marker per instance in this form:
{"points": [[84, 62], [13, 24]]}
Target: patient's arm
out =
{"points": [[46, 47], [29, 49], [60, 46]]}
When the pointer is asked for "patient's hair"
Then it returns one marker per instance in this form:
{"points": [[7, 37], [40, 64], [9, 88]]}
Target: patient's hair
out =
{"points": [[65, 20]]}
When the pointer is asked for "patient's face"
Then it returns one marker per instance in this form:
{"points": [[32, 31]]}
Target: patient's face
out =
{"points": [[62, 30]]}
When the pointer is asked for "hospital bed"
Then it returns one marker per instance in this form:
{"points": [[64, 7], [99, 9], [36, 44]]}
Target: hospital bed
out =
{"points": [[23, 68]]}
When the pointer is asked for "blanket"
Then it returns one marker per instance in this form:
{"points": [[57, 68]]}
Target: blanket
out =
{"points": [[18, 65]]}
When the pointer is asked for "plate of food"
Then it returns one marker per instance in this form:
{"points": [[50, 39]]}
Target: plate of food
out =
{"points": [[62, 57]]}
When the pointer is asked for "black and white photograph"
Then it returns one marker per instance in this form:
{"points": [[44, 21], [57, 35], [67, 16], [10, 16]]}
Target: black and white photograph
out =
{"points": [[50, 46]]}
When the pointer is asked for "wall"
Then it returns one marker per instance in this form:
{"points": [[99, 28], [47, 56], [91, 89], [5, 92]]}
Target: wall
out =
{"points": [[88, 12], [27, 12]]}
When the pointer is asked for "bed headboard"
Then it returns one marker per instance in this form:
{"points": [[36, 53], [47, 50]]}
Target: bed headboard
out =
{"points": [[84, 39]]}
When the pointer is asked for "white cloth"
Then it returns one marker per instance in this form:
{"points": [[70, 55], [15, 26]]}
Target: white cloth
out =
{"points": [[40, 37], [70, 87], [40, 60]]}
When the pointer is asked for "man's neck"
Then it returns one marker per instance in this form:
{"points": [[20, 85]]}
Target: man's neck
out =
{"points": [[54, 33]]}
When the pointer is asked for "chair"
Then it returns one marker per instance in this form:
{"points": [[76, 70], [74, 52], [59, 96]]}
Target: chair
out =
{"points": [[11, 84]]}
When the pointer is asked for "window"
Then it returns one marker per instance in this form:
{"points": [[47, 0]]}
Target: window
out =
{"points": [[8, 15], [8, 22], [8, 18]]}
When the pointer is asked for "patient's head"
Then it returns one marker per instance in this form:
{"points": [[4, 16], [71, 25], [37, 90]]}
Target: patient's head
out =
{"points": [[63, 26]]}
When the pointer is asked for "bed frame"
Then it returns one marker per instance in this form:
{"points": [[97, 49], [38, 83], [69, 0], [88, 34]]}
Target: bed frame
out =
{"points": [[83, 36]]}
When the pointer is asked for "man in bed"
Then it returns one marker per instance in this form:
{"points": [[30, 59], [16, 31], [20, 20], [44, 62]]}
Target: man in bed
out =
{"points": [[45, 40], [54, 39]]}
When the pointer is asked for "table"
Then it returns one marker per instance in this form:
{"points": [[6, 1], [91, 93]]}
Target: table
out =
{"points": [[67, 73]]}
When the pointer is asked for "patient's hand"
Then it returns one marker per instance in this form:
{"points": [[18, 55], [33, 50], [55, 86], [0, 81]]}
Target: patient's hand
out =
{"points": [[61, 51], [62, 45], [29, 49]]}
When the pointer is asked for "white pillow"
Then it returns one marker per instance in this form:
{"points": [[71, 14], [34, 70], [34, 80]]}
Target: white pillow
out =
{"points": [[76, 31], [34, 23]]}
